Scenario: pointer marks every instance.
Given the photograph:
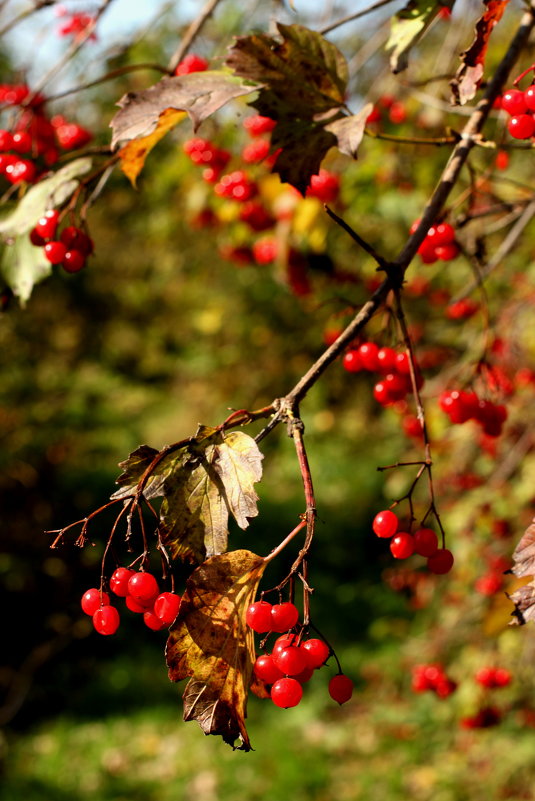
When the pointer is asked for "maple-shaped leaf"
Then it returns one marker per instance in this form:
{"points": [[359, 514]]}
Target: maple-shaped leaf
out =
{"points": [[134, 153], [216, 478], [199, 93], [524, 565], [303, 146], [211, 644], [465, 84], [407, 28]]}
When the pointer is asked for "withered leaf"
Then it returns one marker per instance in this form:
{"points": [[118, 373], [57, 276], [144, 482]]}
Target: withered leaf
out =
{"points": [[303, 147], [133, 468], [524, 565], [134, 153], [216, 479], [350, 130], [210, 644], [199, 94], [407, 28], [464, 85]]}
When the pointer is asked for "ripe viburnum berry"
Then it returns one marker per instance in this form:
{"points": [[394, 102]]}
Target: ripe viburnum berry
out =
{"points": [[385, 524], [290, 660], [316, 652], [47, 224], [73, 261], [258, 125], [152, 621], [258, 616], [191, 63], [340, 688], [266, 669], [352, 361], [286, 692], [402, 545], [143, 587], [441, 561], [106, 620], [55, 251], [425, 542], [119, 581], [92, 599], [283, 616], [166, 607], [20, 170], [325, 186]]}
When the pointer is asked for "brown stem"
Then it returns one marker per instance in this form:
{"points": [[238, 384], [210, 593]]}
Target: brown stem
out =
{"points": [[351, 17], [110, 76], [191, 34], [370, 250]]}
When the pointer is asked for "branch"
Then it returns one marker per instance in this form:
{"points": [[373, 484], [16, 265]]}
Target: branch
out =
{"points": [[191, 34]]}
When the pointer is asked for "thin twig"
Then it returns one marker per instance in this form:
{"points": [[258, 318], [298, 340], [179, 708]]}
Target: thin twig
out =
{"points": [[370, 250], [110, 76], [357, 15], [191, 34]]}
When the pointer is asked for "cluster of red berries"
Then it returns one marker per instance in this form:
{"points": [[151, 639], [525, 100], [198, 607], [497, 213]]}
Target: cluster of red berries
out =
{"points": [[206, 154], [395, 111], [70, 249], [461, 406], [393, 365], [521, 108], [32, 146], [76, 24], [439, 243], [293, 660], [423, 542], [432, 677], [462, 309], [492, 677], [142, 595]]}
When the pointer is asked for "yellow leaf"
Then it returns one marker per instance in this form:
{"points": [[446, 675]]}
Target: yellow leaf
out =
{"points": [[134, 153]]}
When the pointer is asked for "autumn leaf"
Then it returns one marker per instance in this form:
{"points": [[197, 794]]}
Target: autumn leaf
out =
{"points": [[524, 565], [22, 266], [465, 84], [350, 130], [199, 94], [134, 153], [210, 644], [133, 469], [215, 479], [407, 28]]}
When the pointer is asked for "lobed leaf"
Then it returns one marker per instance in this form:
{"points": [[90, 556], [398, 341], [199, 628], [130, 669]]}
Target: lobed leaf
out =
{"points": [[210, 644], [465, 84], [199, 94], [407, 28]]}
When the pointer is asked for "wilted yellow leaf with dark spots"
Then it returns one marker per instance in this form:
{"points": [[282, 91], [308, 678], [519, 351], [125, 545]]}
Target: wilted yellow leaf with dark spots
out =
{"points": [[134, 153], [211, 644]]}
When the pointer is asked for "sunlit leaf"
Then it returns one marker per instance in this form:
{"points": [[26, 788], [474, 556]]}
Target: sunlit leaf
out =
{"points": [[211, 644], [46, 194], [134, 153], [407, 28], [22, 266], [465, 84], [133, 469], [238, 463], [199, 94], [350, 130]]}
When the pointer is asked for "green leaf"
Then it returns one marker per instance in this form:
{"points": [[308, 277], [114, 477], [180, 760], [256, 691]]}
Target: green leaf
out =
{"points": [[46, 194], [211, 644], [407, 28], [199, 93], [23, 266]]}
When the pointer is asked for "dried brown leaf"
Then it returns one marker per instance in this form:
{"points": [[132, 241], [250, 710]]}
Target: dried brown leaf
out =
{"points": [[524, 565], [134, 153], [211, 644]]}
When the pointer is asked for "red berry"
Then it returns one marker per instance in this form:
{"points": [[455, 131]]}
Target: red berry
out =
{"points": [[255, 152], [340, 688], [73, 261], [258, 616], [402, 545], [447, 252], [106, 620], [522, 126], [71, 136], [55, 252], [316, 652], [35, 239], [325, 186], [290, 660], [284, 642], [514, 102], [283, 616], [425, 542], [386, 360], [305, 675], [368, 355], [134, 606], [397, 113], [266, 669], [265, 251], [385, 524], [529, 99], [21, 142], [489, 584], [6, 140], [166, 607], [47, 224], [119, 581], [153, 622], [143, 587], [258, 125], [92, 599], [502, 160], [20, 170], [286, 693], [352, 362], [191, 63], [75, 239], [441, 561]]}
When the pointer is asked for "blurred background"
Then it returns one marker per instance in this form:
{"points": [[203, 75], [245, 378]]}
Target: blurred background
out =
{"points": [[161, 333]]}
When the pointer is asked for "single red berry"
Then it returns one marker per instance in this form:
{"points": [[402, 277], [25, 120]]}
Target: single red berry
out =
{"points": [[529, 99], [47, 224], [283, 616], [397, 113], [502, 677], [191, 63], [522, 126], [447, 252], [284, 642], [425, 542], [6, 140], [55, 251], [166, 607], [71, 136], [325, 186], [502, 160], [36, 239], [368, 355], [143, 587], [290, 660], [21, 142], [382, 394], [106, 620], [286, 693], [153, 622], [6, 160], [265, 251], [385, 524], [258, 616], [305, 675], [316, 652], [119, 581], [397, 385], [255, 152], [489, 584], [136, 607], [340, 688], [75, 239], [258, 125], [73, 261], [514, 102], [266, 669], [352, 362], [386, 360], [441, 561], [402, 545], [92, 599]]}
